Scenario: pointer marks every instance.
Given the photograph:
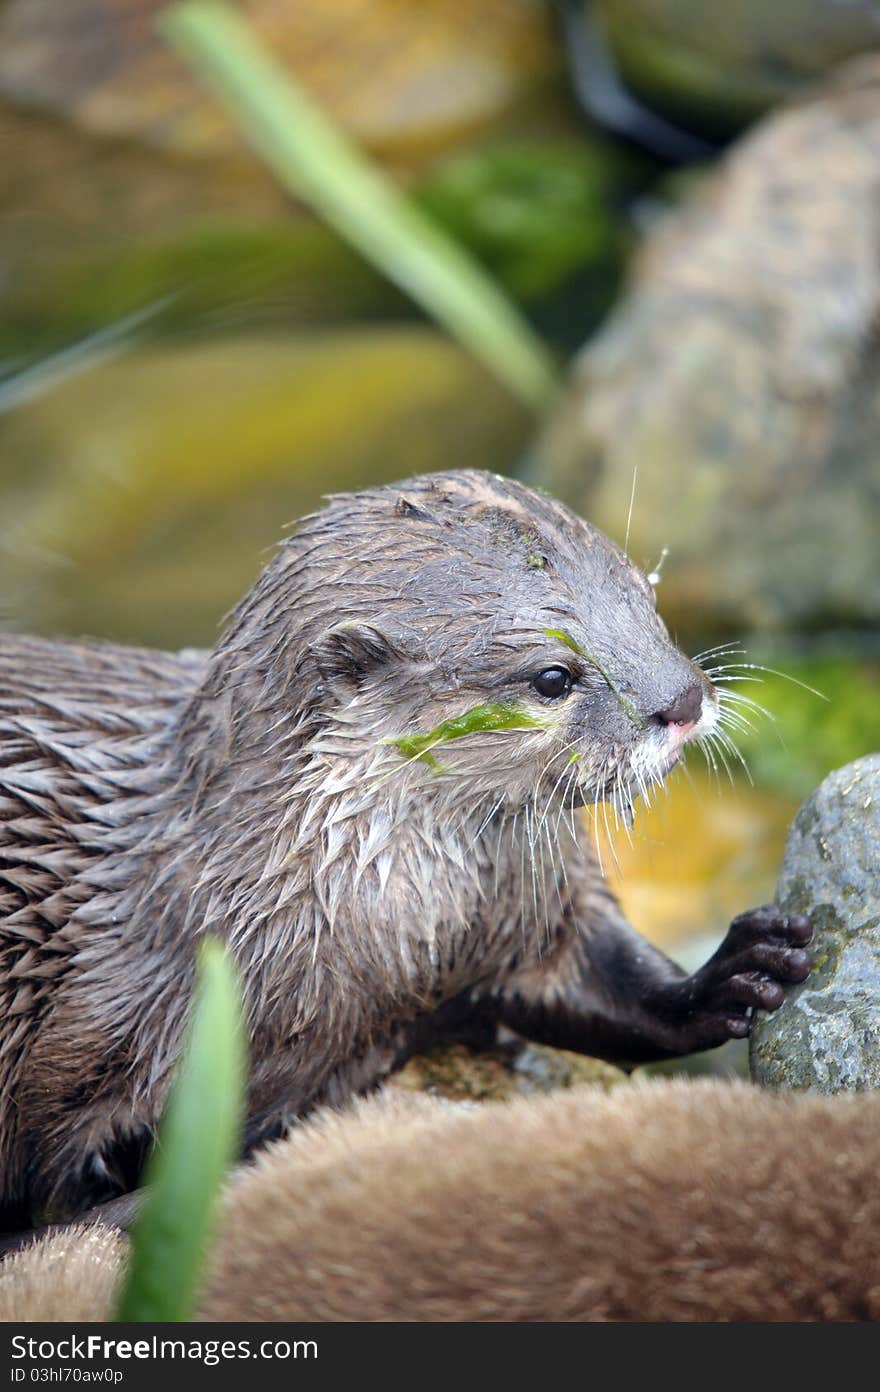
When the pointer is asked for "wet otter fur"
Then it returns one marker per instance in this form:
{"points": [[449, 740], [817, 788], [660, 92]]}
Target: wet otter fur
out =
{"points": [[666, 1201], [364, 790]]}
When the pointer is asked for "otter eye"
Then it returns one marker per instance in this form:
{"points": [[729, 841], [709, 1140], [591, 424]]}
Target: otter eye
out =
{"points": [[553, 682]]}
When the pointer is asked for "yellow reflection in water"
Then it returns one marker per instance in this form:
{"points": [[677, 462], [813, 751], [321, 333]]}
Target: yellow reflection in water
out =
{"points": [[701, 854]]}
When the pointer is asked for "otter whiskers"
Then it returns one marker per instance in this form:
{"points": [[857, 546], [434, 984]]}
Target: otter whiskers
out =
{"points": [[735, 709]]}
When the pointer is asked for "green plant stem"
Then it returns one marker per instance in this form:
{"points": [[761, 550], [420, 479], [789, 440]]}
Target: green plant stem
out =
{"points": [[316, 163], [198, 1141]]}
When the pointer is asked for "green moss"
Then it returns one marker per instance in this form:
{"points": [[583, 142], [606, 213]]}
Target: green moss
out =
{"points": [[808, 736], [798, 897], [535, 562], [477, 720], [566, 638], [535, 214]]}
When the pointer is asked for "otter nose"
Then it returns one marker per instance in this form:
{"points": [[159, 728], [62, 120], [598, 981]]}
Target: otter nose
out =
{"points": [[686, 709]]}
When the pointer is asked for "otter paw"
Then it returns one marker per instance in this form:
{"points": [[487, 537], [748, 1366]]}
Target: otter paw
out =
{"points": [[764, 951]]}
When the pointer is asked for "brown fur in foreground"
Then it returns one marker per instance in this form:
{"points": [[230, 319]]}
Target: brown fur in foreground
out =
{"points": [[670, 1201]]}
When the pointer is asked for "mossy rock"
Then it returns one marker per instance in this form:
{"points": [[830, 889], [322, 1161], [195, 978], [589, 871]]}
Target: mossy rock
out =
{"points": [[460, 1074], [741, 387], [827, 1034]]}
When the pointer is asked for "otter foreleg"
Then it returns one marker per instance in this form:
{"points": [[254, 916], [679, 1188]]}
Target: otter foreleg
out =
{"points": [[604, 990]]}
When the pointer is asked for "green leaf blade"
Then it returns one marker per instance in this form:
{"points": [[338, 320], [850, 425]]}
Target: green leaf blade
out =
{"points": [[199, 1140], [319, 166]]}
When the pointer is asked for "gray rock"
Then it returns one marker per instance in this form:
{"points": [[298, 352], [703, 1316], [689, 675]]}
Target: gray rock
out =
{"points": [[740, 378], [827, 1034]]}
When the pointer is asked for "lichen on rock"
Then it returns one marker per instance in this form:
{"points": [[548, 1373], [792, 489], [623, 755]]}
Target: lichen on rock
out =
{"points": [[827, 1035]]}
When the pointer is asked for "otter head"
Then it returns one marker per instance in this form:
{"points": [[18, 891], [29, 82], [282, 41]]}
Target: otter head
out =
{"points": [[485, 647]]}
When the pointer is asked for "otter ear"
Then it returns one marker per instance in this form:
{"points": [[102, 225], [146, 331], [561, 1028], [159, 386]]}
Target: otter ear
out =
{"points": [[349, 652]]}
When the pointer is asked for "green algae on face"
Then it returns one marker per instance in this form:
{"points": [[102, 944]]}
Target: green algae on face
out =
{"points": [[477, 720], [562, 637]]}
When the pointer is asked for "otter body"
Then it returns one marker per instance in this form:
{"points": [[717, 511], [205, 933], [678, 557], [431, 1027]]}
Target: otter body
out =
{"points": [[365, 790], [671, 1201]]}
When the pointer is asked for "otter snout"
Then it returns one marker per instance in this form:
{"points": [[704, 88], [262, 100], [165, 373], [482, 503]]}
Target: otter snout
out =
{"points": [[689, 716], [686, 709]]}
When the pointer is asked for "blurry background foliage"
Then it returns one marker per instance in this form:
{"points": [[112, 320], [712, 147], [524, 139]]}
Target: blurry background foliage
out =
{"points": [[191, 355]]}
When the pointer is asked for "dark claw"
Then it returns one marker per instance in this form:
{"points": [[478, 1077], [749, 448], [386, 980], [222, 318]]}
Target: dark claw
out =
{"points": [[770, 995], [797, 965], [753, 989], [738, 1026], [800, 927]]}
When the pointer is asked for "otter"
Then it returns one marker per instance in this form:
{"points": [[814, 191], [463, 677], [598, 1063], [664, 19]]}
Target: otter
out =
{"points": [[364, 790], [670, 1200]]}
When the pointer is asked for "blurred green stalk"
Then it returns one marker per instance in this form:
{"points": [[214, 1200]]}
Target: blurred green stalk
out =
{"points": [[320, 167], [198, 1141]]}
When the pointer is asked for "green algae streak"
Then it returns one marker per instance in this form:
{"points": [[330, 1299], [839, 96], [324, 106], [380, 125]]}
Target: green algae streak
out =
{"points": [[562, 637], [474, 721]]}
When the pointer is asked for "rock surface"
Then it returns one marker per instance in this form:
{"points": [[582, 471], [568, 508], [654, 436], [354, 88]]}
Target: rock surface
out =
{"points": [[459, 1074], [716, 67], [827, 1034], [740, 376], [402, 79]]}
